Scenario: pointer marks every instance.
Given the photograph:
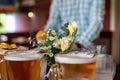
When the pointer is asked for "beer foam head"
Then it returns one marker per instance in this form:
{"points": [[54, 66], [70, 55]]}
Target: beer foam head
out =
{"points": [[74, 58], [22, 56]]}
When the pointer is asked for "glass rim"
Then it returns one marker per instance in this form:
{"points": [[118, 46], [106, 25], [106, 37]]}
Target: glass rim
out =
{"points": [[22, 56], [73, 59]]}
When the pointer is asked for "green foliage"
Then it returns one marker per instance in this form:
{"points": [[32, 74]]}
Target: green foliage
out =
{"points": [[65, 30]]}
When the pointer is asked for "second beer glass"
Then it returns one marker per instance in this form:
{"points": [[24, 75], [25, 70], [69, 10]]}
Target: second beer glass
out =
{"points": [[80, 66]]}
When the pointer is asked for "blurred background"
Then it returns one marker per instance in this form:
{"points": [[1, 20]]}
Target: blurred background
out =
{"points": [[20, 19]]}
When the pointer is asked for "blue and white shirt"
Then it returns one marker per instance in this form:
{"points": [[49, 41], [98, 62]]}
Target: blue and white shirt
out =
{"points": [[88, 15]]}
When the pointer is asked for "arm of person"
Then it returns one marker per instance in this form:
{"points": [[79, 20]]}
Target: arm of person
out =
{"points": [[95, 23], [53, 15]]}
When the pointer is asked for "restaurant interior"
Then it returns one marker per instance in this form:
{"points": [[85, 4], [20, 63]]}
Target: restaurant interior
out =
{"points": [[21, 19]]}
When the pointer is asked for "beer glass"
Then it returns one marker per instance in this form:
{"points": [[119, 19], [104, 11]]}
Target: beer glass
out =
{"points": [[2, 67], [23, 65], [80, 66], [105, 67], [3, 64]]}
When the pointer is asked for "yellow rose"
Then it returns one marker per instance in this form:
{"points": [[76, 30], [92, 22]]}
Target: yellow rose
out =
{"points": [[72, 27]]}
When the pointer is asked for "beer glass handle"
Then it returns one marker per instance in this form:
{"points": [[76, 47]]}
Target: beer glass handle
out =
{"points": [[1, 60], [53, 73], [3, 69]]}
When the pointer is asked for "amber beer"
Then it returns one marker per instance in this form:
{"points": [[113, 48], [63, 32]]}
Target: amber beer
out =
{"points": [[2, 67], [74, 67], [23, 66]]}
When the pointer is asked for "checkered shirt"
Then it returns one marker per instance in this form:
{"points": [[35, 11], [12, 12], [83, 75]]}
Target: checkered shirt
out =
{"points": [[88, 15]]}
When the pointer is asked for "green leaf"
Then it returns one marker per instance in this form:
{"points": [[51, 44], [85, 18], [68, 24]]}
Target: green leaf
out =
{"points": [[50, 60], [55, 50], [48, 42], [65, 30], [66, 24]]}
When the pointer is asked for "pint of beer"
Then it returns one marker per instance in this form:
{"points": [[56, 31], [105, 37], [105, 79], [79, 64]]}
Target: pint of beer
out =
{"points": [[75, 67], [3, 68], [23, 66]]}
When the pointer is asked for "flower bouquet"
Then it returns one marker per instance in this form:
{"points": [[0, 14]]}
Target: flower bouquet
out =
{"points": [[51, 43]]}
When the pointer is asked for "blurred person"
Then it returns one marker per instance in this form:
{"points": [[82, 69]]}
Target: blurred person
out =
{"points": [[88, 15]]}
